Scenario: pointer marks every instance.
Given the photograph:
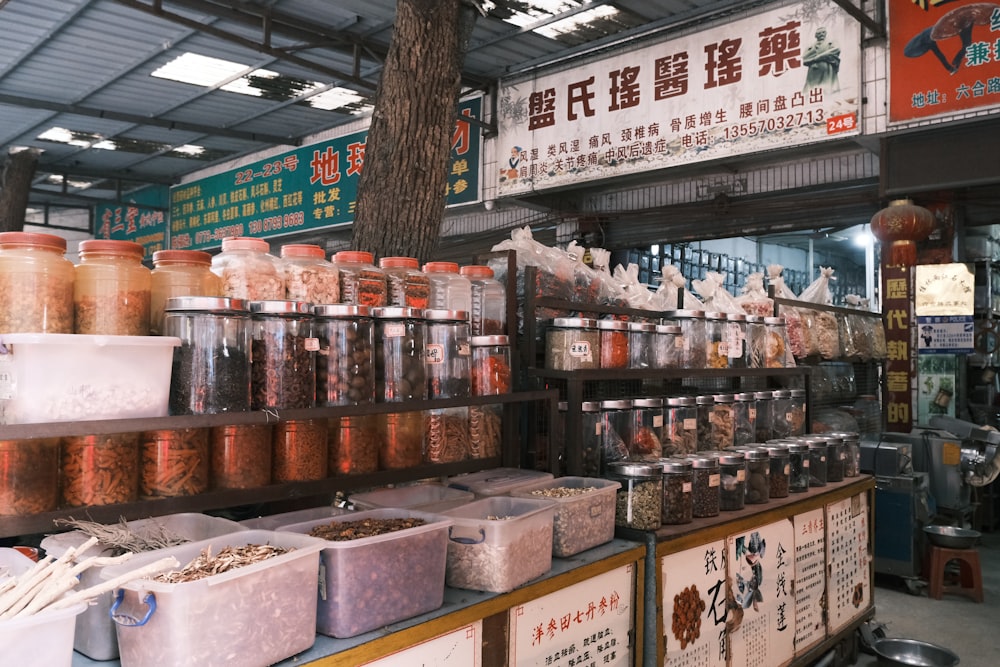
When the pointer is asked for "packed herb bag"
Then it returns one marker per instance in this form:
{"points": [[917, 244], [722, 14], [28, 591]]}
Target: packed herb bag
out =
{"points": [[715, 297], [798, 335], [824, 332], [859, 329], [613, 294], [672, 283], [637, 295], [754, 299]]}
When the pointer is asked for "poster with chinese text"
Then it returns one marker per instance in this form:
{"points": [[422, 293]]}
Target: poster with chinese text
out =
{"points": [[810, 579], [695, 609], [785, 77], [587, 624], [848, 563], [761, 584], [460, 648]]}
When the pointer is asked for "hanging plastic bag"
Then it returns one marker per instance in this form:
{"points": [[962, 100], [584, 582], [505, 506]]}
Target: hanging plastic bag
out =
{"points": [[714, 294], [637, 295], [673, 283], [798, 334], [824, 329], [754, 299]]}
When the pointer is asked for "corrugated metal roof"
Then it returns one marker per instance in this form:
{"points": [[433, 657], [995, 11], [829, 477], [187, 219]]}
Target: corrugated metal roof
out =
{"points": [[86, 66]]}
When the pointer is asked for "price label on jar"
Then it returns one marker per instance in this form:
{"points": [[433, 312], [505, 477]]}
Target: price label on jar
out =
{"points": [[690, 424], [394, 330], [581, 350], [464, 350], [434, 354], [312, 344]]}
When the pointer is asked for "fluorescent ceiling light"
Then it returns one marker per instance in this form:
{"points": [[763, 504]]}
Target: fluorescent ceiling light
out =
{"points": [[199, 70], [190, 149]]}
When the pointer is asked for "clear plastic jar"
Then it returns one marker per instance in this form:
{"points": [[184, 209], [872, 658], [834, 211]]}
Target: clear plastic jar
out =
{"points": [[851, 450], [706, 483], [796, 416], [639, 499], [678, 475], [799, 462], [572, 343], [241, 456], [776, 346], [618, 426], [744, 415], [755, 342], [248, 270], [781, 414], [354, 445], [283, 355], [299, 450], [614, 343], [174, 462], [736, 340], [818, 456], [399, 355], [693, 341], [649, 428], [408, 286], [345, 369], [29, 476], [308, 275], [834, 457], [762, 415], [779, 470], [447, 354], [722, 422], [758, 487], [179, 273], [100, 469], [716, 341], [490, 365], [401, 440], [591, 437], [667, 346], [732, 481], [36, 284], [680, 426], [111, 289], [488, 316], [450, 290], [705, 405], [211, 367], [361, 283], [641, 344]]}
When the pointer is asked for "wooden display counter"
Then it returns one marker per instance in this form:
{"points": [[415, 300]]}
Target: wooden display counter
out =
{"points": [[588, 607], [780, 583]]}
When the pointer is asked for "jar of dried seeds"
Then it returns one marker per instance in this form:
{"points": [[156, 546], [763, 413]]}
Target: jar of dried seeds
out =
{"points": [[639, 499], [706, 484], [111, 289], [678, 475], [283, 355], [36, 284]]}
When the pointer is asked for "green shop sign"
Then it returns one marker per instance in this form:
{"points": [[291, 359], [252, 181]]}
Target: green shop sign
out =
{"points": [[309, 188], [142, 219]]}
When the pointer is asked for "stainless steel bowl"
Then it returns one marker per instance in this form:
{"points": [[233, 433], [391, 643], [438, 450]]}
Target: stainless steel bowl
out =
{"points": [[912, 653], [951, 537]]}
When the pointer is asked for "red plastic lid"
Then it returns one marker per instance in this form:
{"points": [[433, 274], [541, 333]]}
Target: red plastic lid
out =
{"points": [[245, 243], [34, 239], [441, 267], [182, 256], [303, 250], [353, 256], [399, 263], [476, 271], [107, 245]]}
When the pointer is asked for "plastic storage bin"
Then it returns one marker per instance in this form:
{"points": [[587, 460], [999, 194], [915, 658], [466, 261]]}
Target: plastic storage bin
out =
{"points": [[425, 497], [196, 622], [100, 377], [373, 581], [95, 633], [585, 511], [275, 521], [498, 543], [497, 481]]}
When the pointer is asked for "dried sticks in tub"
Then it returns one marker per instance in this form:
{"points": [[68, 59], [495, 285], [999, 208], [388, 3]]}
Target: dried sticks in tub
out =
{"points": [[48, 583]]}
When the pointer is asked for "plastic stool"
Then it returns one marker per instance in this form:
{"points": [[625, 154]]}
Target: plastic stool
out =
{"points": [[970, 576]]}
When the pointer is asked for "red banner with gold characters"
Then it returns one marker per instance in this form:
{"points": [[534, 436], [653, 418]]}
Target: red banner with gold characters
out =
{"points": [[944, 57], [897, 308]]}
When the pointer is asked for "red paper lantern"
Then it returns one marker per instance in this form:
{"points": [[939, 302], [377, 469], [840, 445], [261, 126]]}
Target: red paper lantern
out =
{"points": [[900, 225]]}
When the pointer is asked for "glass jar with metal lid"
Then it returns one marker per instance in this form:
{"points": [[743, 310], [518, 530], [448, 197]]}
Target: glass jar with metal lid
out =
{"points": [[639, 499], [722, 422], [649, 428], [614, 343], [36, 284], [308, 275], [834, 457], [777, 350], [667, 346], [408, 286], [572, 343], [361, 282], [692, 324], [300, 450], [762, 415], [705, 405], [490, 365], [282, 355], [678, 475], [248, 270], [450, 290], [179, 273], [706, 482], [399, 354], [732, 480], [755, 342], [641, 348], [736, 339], [211, 367], [782, 418], [240, 456], [488, 316], [780, 470], [345, 368], [618, 427], [111, 289], [744, 415], [818, 453], [590, 432], [799, 463], [447, 353], [716, 341], [797, 412], [758, 462], [680, 426], [851, 451]]}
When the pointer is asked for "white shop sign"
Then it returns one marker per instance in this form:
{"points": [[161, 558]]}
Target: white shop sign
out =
{"points": [[584, 625], [695, 579], [848, 561], [754, 84], [810, 579], [459, 648]]}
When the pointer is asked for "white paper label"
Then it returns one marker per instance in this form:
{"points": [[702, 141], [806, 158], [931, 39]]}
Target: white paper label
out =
{"points": [[434, 354], [394, 329]]}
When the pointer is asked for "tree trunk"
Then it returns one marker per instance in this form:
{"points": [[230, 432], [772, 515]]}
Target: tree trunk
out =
{"points": [[16, 173], [401, 191]]}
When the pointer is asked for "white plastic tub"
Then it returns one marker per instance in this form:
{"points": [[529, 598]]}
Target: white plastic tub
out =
{"points": [[583, 520], [373, 581], [275, 521], [425, 497], [252, 616], [95, 633], [497, 481], [76, 377]]}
